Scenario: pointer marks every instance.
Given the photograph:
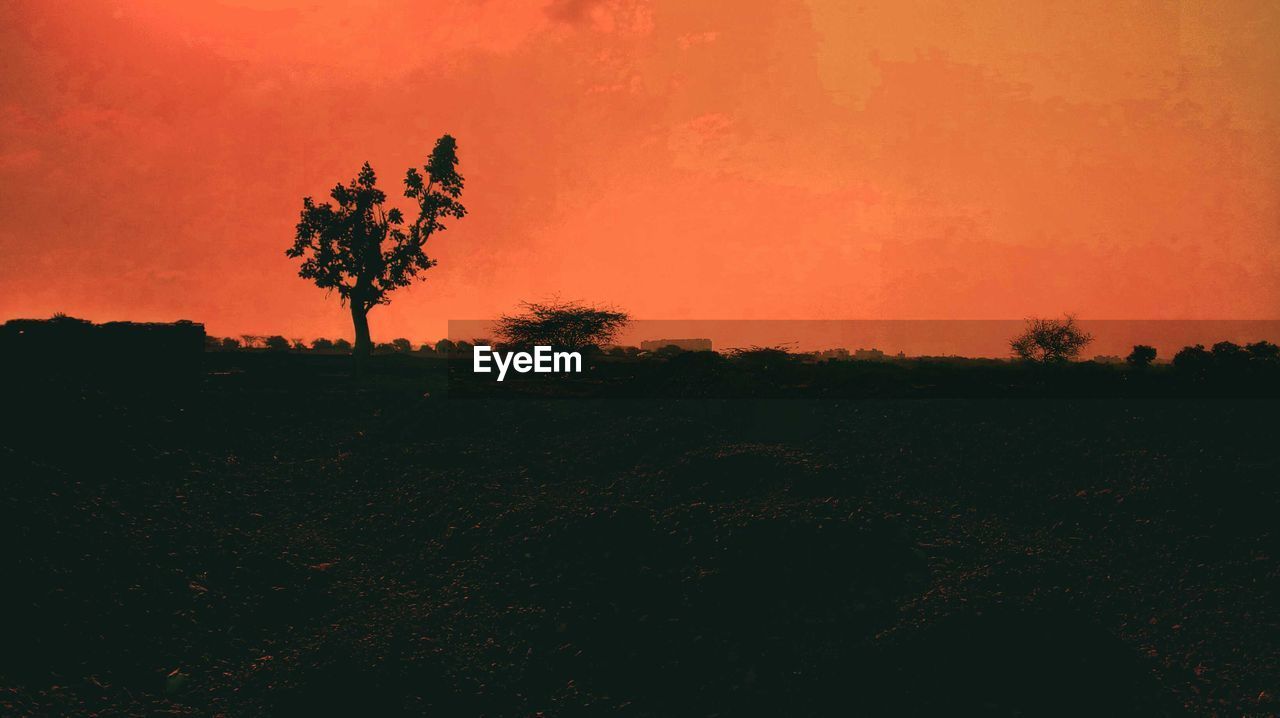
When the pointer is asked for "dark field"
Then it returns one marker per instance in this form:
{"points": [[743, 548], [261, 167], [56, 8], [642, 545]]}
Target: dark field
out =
{"points": [[267, 540]]}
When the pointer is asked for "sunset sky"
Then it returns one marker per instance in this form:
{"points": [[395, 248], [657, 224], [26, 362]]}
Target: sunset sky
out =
{"points": [[781, 159]]}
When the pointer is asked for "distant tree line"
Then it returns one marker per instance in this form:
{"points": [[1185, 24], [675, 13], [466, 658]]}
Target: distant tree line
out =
{"points": [[1227, 356], [1051, 341], [594, 329], [322, 345], [1197, 358]]}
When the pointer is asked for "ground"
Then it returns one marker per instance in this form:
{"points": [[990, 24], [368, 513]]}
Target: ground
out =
{"points": [[270, 539]]}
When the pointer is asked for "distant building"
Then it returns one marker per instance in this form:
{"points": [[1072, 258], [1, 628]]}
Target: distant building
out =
{"points": [[689, 345], [870, 355], [839, 354]]}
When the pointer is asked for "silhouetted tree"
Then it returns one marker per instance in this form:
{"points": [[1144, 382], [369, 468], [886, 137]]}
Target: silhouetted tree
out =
{"points": [[1050, 340], [1228, 351], [445, 347], [570, 325], [298, 344], [342, 345], [229, 344], [276, 343], [322, 345], [462, 348], [356, 246], [1194, 358], [1263, 350], [401, 345], [1141, 356], [1230, 355], [250, 341]]}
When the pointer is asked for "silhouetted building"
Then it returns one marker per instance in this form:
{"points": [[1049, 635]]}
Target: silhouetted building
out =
{"points": [[870, 355]]}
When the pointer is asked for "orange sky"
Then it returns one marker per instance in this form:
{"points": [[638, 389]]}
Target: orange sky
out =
{"points": [[680, 159]]}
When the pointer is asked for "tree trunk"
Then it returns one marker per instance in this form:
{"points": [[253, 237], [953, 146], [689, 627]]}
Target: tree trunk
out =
{"points": [[363, 346]]}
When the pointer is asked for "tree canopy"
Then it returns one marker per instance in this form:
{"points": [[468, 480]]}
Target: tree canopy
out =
{"points": [[570, 325], [1141, 356], [358, 247], [1050, 340]]}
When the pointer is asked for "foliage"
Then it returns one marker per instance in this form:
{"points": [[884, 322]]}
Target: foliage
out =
{"points": [[356, 246], [1192, 358], [437, 195], [1226, 355], [1229, 351], [570, 325], [1263, 350], [1050, 341], [1141, 356]]}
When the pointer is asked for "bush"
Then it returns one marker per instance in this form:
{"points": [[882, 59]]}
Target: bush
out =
{"points": [[568, 325]]}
